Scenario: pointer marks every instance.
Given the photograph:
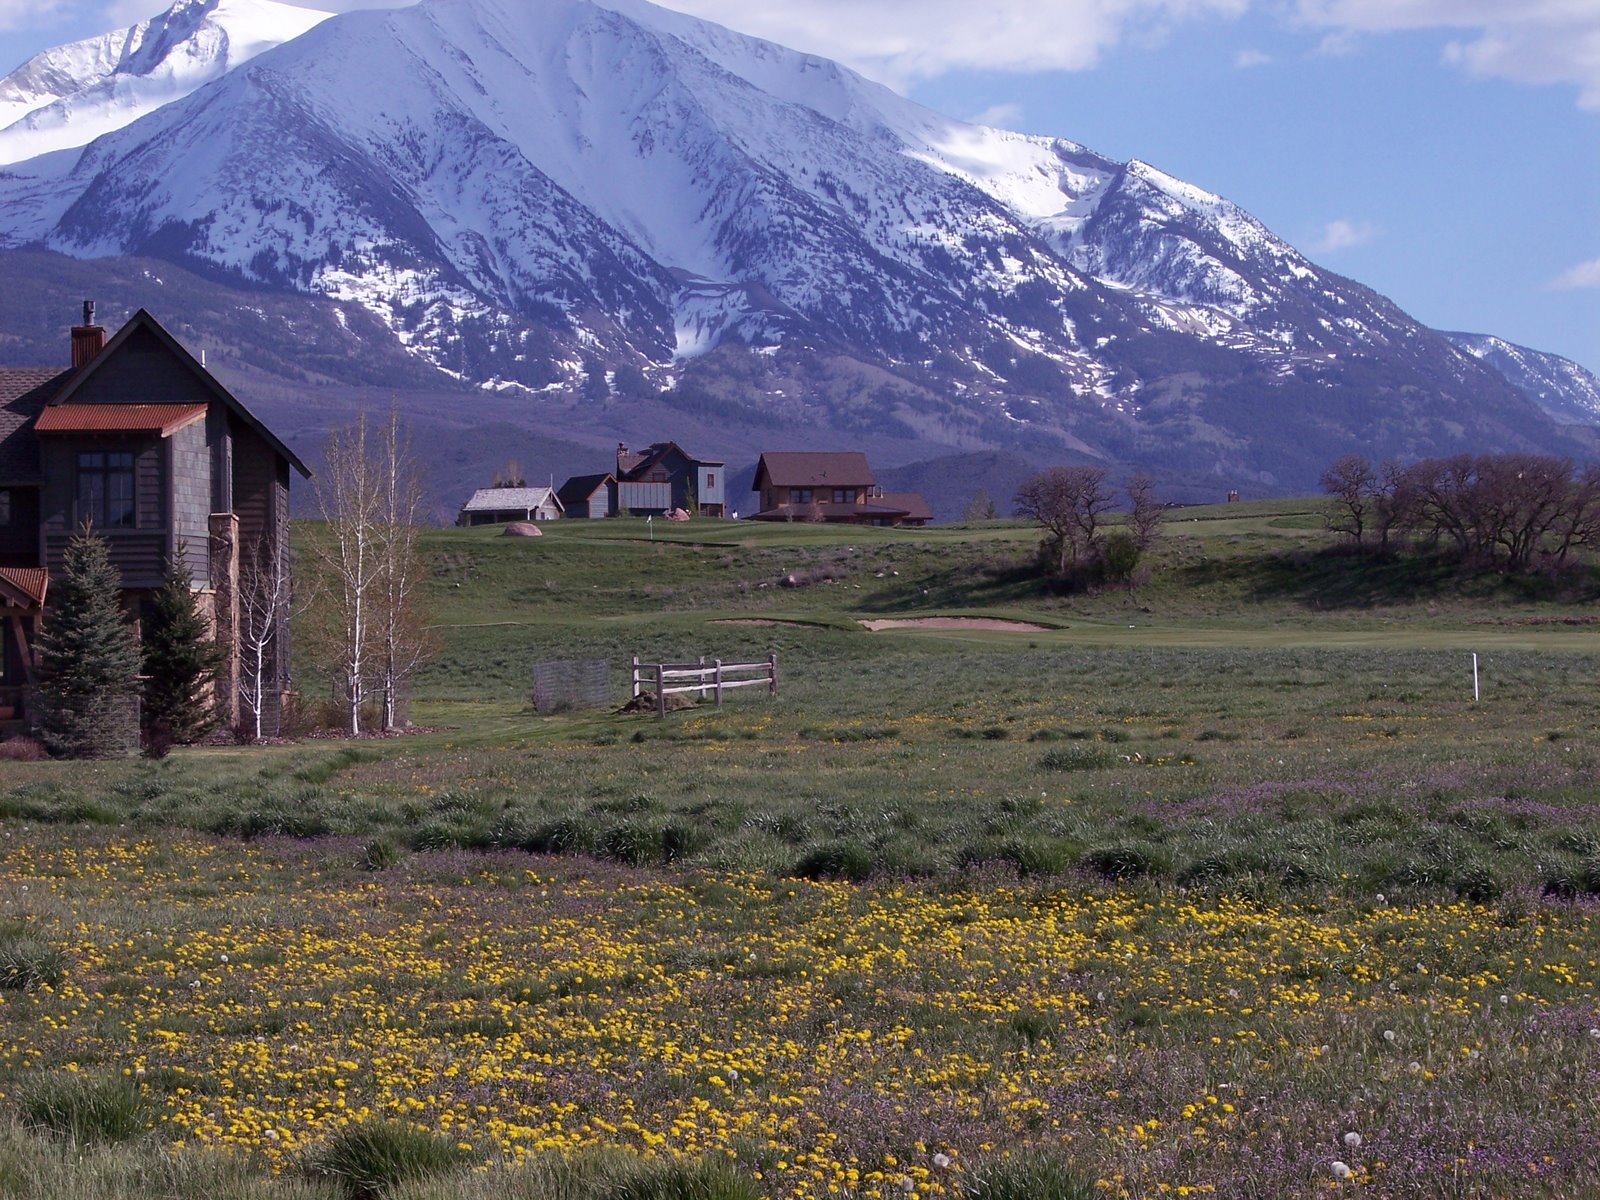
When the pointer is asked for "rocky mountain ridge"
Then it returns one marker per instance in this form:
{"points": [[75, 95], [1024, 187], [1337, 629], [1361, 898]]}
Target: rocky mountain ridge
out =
{"points": [[577, 200]]}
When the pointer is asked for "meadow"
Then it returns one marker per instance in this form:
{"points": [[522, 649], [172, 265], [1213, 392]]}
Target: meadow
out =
{"points": [[1220, 885]]}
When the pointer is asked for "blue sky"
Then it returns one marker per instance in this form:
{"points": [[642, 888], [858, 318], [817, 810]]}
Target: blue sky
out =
{"points": [[1443, 152]]}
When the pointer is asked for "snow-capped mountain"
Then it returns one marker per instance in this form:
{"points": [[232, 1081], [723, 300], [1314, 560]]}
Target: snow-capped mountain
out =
{"points": [[1563, 388], [65, 98], [527, 193]]}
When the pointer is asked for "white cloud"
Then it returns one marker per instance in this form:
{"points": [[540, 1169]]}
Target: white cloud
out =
{"points": [[1584, 275], [1251, 58], [999, 116], [899, 41], [1337, 44], [1526, 41], [902, 40], [27, 14], [1342, 234], [121, 13]]}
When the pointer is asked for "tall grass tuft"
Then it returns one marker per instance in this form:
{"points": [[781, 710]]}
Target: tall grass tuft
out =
{"points": [[368, 1160], [1077, 758], [31, 1166], [27, 961], [1030, 1175], [598, 1173], [86, 1108], [682, 1179]]}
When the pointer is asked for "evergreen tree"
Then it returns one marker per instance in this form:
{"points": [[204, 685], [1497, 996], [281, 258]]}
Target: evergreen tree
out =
{"points": [[88, 658], [180, 661]]}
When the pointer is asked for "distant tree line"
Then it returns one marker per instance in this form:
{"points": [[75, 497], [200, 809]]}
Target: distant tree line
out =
{"points": [[1512, 512]]}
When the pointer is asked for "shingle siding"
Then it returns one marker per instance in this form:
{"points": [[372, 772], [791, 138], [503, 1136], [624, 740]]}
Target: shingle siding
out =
{"points": [[191, 498]]}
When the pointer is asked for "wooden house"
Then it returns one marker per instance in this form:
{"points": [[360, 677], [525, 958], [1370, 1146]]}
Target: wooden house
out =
{"points": [[138, 442], [834, 486], [589, 496], [656, 481], [498, 505]]}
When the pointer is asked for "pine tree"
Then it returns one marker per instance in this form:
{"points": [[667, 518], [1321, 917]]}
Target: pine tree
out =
{"points": [[180, 661], [88, 658]]}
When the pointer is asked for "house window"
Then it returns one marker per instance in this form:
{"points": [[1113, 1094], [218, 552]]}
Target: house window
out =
{"points": [[842, 496], [711, 480], [105, 489], [801, 495], [5, 507]]}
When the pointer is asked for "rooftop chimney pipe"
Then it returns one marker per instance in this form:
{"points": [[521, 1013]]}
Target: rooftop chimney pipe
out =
{"points": [[88, 339]]}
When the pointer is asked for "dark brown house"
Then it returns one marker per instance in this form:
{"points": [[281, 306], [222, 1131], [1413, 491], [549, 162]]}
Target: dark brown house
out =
{"points": [[836, 487], [138, 441]]}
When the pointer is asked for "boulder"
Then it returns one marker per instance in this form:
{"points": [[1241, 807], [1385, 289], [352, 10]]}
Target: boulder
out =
{"points": [[522, 529]]}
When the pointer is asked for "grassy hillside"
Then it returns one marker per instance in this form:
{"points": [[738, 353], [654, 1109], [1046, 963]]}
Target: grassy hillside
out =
{"points": [[1256, 662], [1223, 887]]}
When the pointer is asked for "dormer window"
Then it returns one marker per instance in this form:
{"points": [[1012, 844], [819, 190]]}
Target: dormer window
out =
{"points": [[105, 489]]}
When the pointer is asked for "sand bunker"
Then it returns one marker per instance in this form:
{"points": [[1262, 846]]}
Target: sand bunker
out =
{"points": [[955, 623]]}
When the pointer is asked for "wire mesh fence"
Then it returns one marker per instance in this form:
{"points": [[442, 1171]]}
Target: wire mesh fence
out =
{"points": [[569, 684]]}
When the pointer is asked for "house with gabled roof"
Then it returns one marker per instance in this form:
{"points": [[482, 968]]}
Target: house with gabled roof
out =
{"points": [[139, 443], [836, 486], [665, 477], [498, 505], [589, 496]]}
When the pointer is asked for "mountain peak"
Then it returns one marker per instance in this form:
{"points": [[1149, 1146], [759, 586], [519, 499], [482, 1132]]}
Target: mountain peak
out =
{"points": [[548, 195], [66, 97]]}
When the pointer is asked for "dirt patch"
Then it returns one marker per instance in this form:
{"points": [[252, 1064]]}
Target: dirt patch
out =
{"points": [[645, 702], [955, 623], [761, 621]]}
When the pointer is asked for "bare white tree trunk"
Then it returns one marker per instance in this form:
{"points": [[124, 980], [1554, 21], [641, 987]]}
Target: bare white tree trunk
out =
{"points": [[401, 636], [263, 607], [350, 494]]}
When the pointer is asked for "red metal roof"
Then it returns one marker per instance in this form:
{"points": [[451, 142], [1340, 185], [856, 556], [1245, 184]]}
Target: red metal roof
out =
{"points": [[31, 582], [164, 419]]}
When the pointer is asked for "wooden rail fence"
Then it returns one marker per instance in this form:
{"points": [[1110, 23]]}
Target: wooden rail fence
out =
{"points": [[710, 680]]}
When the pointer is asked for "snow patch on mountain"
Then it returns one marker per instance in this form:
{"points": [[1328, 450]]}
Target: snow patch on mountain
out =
{"points": [[66, 97], [1564, 389], [523, 192]]}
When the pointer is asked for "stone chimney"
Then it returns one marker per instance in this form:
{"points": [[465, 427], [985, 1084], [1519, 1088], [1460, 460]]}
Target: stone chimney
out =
{"points": [[88, 339]]}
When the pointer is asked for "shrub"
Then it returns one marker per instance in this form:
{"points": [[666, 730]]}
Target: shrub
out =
{"points": [[381, 853], [22, 749], [368, 1159], [1128, 861], [1030, 1175], [1077, 758], [86, 1108], [1037, 855], [1568, 881], [27, 961], [1479, 884], [560, 836], [836, 860], [632, 842], [676, 1179]]}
